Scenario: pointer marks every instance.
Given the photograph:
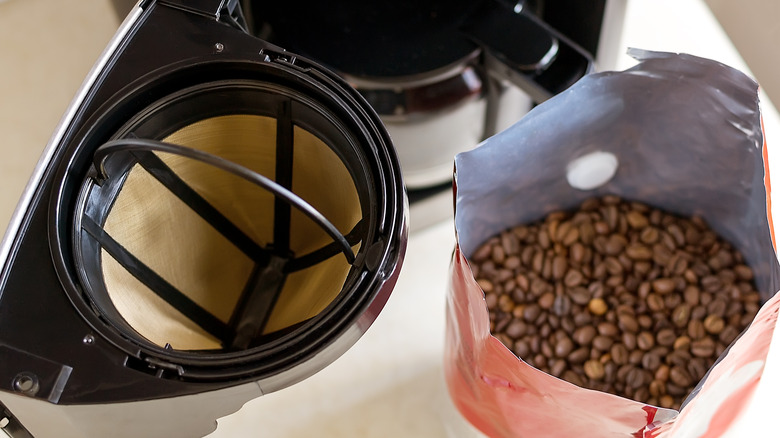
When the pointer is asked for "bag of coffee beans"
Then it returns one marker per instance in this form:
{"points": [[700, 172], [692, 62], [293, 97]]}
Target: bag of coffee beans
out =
{"points": [[615, 272]]}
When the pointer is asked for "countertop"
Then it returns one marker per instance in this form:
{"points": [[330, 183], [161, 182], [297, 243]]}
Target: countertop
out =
{"points": [[390, 383]]}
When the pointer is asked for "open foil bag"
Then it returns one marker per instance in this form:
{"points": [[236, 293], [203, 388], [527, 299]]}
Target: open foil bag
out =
{"points": [[686, 135]]}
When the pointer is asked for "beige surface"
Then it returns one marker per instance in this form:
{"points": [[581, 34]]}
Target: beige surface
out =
{"points": [[46, 49], [754, 28]]}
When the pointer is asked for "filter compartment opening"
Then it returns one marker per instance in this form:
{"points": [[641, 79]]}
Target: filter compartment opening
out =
{"points": [[190, 257]]}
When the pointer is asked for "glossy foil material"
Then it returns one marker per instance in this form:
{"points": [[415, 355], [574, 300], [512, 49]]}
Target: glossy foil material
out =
{"points": [[687, 136]]}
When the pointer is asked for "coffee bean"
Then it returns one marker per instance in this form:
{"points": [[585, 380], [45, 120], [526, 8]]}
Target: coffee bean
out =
{"points": [[546, 300], [651, 361], [680, 315], [573, 378], [617, 297], [672, 300], [579, 295], [669, 243], [663, 285], [506, 340], [570, 237], [510, 242], [676, 390], [578, 356], [573, 278], [645, 321], [498, 255], [657, 388], [505, 303], [535, 343], [484, 251], [584, 335], [619, 354], [649, 235], [645, 341], [677, 233], [696, 329], [636, 219], [567, 324], [717, 307], [543, 239], [522, 282], [582, 318], [521, 348], [627, 323], [486, 285], [727, 277], [537, 263], [610, 214], [629, 340], [682, 343], [516, 328], [635, 378], [714, 324], [561, 305], [655, 302], [614, 267], [602, 343], [635, 357], [597, 306], [680, 377], [558, 367], [615, 244], [638, 251], [546, 350], [661, 254], [691, 278], [678, 357], [564, 347], [561, 230], [703, 347], [729, 334], [559, 267], [697, 367], [698, 312], [678, 264], [608, 329], [711, 283], [512, 262], [743, 272], [594, 369], [666, 337], [502, 321]]}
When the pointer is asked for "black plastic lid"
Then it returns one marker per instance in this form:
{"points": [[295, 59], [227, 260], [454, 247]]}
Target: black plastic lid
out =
{"points": [[372, 39]]}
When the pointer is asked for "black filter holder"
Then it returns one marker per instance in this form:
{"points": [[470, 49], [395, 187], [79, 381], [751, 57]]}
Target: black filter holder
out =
{"points": [[61, 339]]}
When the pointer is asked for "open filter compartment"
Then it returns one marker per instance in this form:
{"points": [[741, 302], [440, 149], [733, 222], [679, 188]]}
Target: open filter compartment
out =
{"points": [[232, 217]]}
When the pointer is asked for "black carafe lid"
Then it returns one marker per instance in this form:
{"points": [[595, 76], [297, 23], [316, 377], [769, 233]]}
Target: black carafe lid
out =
{"points": [[397, 40]]}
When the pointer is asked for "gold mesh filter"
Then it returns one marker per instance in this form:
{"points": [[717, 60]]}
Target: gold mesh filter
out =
{"points": [[174, 241]]}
